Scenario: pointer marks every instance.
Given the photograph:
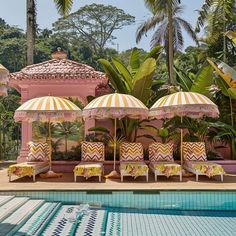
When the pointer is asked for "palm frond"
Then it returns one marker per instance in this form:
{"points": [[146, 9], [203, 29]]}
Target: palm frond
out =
{"points": [[188, 28], [160, 34], [149, 24], [64, 6], [178, 40]]}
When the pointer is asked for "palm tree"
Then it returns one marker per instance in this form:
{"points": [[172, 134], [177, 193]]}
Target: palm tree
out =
{"points": [[68, 131], [63, 7], [169, 30], [216, 14], [30, 30]]}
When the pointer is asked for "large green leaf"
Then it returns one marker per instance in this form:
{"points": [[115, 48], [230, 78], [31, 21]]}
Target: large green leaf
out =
{"points": [[99, 129], [154, 53], [134, 62], [143, 80], [183, 80], [124, 72], [232, 93], [222, 85], [114, 77], [203, 80]]}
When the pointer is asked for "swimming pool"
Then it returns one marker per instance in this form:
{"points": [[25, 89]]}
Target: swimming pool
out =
{"points": [[127, 213]]}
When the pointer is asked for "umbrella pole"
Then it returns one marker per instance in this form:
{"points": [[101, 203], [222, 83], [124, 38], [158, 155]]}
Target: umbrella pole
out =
{"points": [[50, 145], [50, 173], [114, 164], [114, 174], [181, 143]]}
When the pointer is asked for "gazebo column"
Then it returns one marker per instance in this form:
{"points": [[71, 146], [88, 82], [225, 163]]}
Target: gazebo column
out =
{"points": [[26, 130], [88, 123]]}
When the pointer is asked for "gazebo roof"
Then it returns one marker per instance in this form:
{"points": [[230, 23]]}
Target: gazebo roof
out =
{"points": [[57, 68]]}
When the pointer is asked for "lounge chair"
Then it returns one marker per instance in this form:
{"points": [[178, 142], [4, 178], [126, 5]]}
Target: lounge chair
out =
{"points": [[92, 158], [162, 161], [195, 161], [37, 162], [132, 161]]}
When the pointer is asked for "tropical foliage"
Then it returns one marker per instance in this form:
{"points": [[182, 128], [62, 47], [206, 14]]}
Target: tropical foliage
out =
{"points": [[208, 68]]}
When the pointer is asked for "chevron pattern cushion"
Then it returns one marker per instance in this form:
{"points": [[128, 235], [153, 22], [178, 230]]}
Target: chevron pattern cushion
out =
{"points": [[131, 152], [38, 151], [161, 152], [93, 151], [194, 151]]}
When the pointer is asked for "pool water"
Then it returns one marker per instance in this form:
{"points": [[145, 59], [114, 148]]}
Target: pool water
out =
{"points": [[118, 213]]}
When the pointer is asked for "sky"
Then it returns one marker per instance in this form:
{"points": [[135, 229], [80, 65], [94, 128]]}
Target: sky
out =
{"points": [[14, 13]]}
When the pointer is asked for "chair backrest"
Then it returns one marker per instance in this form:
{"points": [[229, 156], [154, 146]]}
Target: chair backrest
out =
{"points": [[194, 151], [38, 151], [131, 151], [161, 152], [92, 151]]}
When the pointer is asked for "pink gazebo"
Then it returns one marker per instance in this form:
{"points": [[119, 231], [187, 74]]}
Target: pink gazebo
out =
{"points": [[57, 77]]}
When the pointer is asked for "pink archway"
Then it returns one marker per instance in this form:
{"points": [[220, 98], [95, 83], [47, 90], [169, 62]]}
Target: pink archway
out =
{"points": [[58, 77]]}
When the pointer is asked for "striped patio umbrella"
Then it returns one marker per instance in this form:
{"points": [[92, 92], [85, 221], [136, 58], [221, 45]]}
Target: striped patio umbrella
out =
{"points": [[48, 109], [115, 106], [181, 104]]}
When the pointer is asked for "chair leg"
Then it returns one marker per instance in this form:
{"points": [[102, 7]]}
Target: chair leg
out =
{"points": [[197, 177], [121, 177], [180, 177], [75, 177], [222, 178], [147, 177], [34, 177], [155, 177], [100, 178]]}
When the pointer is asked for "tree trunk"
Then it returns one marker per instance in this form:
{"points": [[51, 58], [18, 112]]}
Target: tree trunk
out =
{"points": [[66, 144], [171, 50], [30, 30], [224, 36]]}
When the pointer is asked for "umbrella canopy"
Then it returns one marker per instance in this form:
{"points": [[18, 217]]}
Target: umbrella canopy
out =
{"points": [[181, 104], [48, 108], [189, 104], [116, 106]]}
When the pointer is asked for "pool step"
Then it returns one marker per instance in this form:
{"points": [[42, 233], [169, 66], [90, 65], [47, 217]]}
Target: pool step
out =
{"points": [[10, 206], [38, 221], [92, 224], [12, 223], [4, 199], [59, 225]]}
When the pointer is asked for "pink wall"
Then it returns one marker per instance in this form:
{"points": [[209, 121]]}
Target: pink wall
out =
{"points": [[80, 88]]}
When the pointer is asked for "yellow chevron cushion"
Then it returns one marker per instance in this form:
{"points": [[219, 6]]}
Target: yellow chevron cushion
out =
{"points": [[194, 151], [92, 151], [161, 152], [131, 152], [38, 151]]}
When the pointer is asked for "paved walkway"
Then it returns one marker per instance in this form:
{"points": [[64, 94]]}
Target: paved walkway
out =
{"points": [[66, 183]]}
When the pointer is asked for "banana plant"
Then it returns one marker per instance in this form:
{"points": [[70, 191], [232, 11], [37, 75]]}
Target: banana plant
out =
{"points": [[227, 83], [135, 79], [199, 82], [228, 74], [231, 35]]}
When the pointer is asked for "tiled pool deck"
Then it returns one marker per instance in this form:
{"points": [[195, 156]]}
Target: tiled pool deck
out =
{"points": [[67, 183]]}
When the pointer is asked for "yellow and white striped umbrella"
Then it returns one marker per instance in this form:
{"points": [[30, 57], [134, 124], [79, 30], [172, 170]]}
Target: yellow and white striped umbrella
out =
{"points": [[116, 105], [190, 104], [47, 108]]}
